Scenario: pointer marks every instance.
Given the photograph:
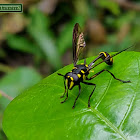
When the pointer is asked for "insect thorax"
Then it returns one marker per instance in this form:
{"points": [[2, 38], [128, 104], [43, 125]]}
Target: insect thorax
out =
{"points": [[77, 75]]}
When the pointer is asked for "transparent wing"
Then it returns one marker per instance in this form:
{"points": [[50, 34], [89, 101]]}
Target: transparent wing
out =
{"points": [[78, 42]]}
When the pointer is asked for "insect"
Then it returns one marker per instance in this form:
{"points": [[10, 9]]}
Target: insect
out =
{"points": [[80, 72]]}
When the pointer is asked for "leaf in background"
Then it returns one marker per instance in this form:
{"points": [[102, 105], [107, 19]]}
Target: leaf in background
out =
{"points": [[2, 53], [136, 28], [125, 18], [39, 30], [81, 8], [110, 5], [64, 41], [114, 113], [23, 44], [16, 81]]}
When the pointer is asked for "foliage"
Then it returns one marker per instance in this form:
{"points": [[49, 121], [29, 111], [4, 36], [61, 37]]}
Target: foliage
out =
{"points": [[38, 29], [41, 37], [16, 81], [110, 5], [22, 44], [114, 113], [13, 83]]}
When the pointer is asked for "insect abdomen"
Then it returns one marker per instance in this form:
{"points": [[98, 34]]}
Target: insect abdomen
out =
{"points": [[109, 61]]}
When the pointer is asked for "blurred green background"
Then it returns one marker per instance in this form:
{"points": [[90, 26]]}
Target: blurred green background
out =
{"points": [[37, 42]]}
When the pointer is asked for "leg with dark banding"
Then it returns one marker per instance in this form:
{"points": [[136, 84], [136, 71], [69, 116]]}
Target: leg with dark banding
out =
{"points": [[64, 91], [77, 96], [91, 92], [111, 75], [66, 96]]}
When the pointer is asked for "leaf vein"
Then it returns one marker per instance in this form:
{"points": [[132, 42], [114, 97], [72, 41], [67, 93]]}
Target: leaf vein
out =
{"points": [[108, 85], [102, 117], [131, 103]]}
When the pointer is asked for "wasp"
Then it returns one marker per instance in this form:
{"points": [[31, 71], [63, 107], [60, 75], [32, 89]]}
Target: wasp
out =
{"points": [[80, 72]]}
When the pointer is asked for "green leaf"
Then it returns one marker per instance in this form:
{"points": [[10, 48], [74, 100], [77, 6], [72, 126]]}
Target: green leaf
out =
{"points": [[23, 44], [114, 113], [39, 30], [110, 5], [16, 81]]}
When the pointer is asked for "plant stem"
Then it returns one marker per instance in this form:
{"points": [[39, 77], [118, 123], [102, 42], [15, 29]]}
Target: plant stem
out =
{"points": [[6, 96]]}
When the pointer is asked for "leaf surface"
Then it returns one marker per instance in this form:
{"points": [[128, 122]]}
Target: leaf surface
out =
{"points": [[114, 113], [16, 81]]}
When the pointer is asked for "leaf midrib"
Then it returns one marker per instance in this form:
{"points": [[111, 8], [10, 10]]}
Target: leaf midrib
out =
{"points": [[101, 116]]}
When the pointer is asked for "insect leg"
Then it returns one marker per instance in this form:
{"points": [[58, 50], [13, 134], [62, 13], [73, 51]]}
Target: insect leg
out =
{"points": [[91, 92], [60, 74], [108, 72], [66, 97], [65, 89], [77, 96], [64, 85]]}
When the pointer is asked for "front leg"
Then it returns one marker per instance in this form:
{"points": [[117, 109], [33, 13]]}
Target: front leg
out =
{"points": [[64, 84], [65, 89], [77, 96], [66, 97], [91, 92]]}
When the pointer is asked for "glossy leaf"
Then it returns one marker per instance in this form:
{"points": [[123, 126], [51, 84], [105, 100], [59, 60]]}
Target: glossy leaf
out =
{"points": [[114, 113]]}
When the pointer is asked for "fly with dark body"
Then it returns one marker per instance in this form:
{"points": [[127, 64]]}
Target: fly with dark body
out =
{"points": [[80, 72]]}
